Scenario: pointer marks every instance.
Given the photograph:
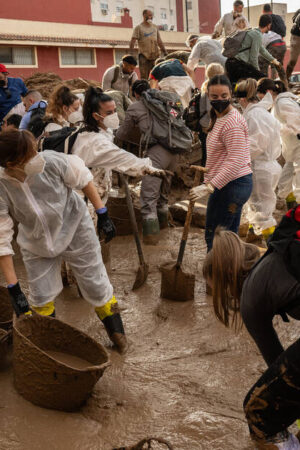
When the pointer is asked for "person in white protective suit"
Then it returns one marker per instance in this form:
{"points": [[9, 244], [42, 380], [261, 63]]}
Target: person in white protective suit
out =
{"points": [[95, 145], [204, 49], [36, 190], [265, 148]]}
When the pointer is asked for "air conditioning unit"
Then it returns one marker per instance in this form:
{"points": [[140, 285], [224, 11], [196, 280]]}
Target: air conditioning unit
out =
{"points": [[104, 12]]}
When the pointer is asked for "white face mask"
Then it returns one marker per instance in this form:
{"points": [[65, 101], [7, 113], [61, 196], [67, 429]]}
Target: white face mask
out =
{"points": [[111, 121], [75, 116], [149, 20], [35, 165]]}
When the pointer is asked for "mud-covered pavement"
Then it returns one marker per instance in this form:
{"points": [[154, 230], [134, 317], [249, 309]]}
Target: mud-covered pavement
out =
{"points": [[184, 377]]}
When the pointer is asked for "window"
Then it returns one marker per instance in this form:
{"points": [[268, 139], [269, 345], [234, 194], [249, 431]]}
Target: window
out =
{"points": [[163, 13], [119, 53], [104, 8], [18, 56], [119, 8], [189, 5], [77, 57]]}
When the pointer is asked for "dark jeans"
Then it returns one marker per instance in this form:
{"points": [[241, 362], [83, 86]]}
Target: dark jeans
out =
{"points": [[225, 205], [239, 70], [278, 51], [273, 403]]}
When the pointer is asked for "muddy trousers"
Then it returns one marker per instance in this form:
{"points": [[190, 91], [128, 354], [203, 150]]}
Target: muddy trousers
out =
{"points": [[273, 403], [83, 255], [225, 205], [145, 66], [294, 54], [278, 51], [155, 191]]}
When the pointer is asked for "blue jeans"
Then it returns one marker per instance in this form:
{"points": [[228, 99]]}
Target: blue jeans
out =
{"points": [[225, 205]]}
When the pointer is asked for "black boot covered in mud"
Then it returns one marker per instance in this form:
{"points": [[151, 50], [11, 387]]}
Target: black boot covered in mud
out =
{"points": [[151, 231]]}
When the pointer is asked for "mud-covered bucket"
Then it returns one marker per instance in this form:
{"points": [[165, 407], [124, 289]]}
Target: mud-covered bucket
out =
{"points": [[6, 309], [55, 365]]}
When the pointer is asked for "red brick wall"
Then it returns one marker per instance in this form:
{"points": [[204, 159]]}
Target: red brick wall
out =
{"points": [[179, 15], [209, 14]]}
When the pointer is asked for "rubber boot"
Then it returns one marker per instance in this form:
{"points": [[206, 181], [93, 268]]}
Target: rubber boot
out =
{"points": [[163, 216], [151, 231], [255, 239], [46, 310], [109, 314], [291, 201], [267, 233]]}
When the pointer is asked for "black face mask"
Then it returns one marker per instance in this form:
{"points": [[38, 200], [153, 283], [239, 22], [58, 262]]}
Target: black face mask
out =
{"points": [[220, 105], [2, 83]]}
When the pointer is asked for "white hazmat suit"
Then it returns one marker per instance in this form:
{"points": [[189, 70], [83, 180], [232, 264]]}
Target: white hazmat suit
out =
{"points": [[287, 111], [54, 224], [265, 148]]}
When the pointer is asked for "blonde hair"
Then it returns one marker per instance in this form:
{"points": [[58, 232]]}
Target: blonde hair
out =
{"points": [[211, 71], [240, 23], [227, 266], [248, 86]]}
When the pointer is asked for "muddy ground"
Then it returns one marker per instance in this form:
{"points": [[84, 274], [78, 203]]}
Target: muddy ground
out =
{"points": [[184, 377]]}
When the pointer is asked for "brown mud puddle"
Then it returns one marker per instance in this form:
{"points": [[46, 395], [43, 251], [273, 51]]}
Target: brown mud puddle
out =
{"points": [[184, 377]]}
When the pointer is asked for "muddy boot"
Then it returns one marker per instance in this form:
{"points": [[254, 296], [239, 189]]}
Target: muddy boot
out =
{"points": [[163, 218], [109, 314], [267, 233], [46, 310], [256, 239], [291, 201], [151, 231]]}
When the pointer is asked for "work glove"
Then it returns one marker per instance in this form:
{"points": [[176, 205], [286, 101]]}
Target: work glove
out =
{"points": [[200, 191], [105, 224], [18, 299]]}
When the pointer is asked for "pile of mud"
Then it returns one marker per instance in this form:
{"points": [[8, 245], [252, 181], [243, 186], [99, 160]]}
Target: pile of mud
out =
{"points": [[46, 82]]}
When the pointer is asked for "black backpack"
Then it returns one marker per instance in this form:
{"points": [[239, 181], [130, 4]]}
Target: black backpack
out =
{"points": [[60, 140], [37, 124], [192, 114]]}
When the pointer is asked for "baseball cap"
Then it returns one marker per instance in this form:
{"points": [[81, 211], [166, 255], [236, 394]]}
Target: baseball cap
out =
{"points": [[3, 69]]}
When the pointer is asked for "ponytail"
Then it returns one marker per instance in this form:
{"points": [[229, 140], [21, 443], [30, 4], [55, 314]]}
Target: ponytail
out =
{"points": [[93, 97], [61, 96], [247, 89]]}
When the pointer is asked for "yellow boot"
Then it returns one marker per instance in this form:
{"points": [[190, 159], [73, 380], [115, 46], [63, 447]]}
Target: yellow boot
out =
{"points": [[109, 314], [267, 233], [291, 201], [46, 310]]}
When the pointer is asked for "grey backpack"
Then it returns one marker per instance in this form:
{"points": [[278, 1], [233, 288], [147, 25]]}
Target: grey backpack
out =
{"points": [[233, 43], [167, 126]]}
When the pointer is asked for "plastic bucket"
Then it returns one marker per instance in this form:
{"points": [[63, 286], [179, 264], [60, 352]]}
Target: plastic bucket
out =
{"points": [[6, 309], [44, 379]]}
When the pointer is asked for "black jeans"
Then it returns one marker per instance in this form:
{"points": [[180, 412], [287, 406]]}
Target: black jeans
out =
{"points": [[202, 138], [273, 403], [239, 70], [225, 205]]}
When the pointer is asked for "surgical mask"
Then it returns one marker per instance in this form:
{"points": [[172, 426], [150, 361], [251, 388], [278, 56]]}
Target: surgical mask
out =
{"points": [[35, 165], [111, 121], [149, 20], [220, 105], [75, 116], [2, 83]]}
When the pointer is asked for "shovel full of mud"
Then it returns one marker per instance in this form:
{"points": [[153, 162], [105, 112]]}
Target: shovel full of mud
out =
{"points": [[175, 283], [55, 365]]}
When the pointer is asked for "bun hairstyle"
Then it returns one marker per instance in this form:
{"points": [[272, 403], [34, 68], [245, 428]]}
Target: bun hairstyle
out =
{"points": [[247, 89], [280, 87], [218, 80], [266, 84], [93, 98], [140, 86], [61, 96]]}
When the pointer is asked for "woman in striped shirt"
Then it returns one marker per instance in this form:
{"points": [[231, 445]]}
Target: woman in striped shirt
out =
{"points": [[229, 176]]}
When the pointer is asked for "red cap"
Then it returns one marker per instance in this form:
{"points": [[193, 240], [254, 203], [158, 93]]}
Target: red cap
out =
{"points": [[3, 69]]}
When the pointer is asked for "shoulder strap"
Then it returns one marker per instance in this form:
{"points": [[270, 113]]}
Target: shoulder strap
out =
{"points": [[116, 74]]}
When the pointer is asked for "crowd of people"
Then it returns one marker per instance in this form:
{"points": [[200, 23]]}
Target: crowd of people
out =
{"points": [[245, 118]]}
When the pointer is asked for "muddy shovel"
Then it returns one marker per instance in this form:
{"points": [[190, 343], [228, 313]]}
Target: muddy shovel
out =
{"points": [[143, 269], [175, 283]]}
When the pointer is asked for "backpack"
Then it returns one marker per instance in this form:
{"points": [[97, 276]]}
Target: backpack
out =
{"points": [[117, 74], [233, 43], [167, 127], [37, 124], [61, 140], [278, 25], [192, 114]]}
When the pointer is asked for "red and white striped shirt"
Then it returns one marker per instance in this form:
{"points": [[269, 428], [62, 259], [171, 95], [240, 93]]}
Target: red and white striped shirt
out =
{"points": [[228, 150]]}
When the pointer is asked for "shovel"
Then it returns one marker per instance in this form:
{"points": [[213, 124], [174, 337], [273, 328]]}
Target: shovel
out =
{"points": [[143, 269], [176, 284]]}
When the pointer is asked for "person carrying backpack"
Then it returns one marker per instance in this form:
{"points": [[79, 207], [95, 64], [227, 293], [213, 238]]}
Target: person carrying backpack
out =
{"points": [[244, 64], [294, 44], [160, 136], [35, 108], [121, 77]]}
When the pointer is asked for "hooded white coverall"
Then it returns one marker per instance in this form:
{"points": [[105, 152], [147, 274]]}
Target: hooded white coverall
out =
{"points": [[99, 153], [54, 224], [287, 111], [265, 148]]}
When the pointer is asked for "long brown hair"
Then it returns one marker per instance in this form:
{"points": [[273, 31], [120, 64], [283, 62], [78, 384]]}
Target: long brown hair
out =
{"points": [[226, 266], [61, 96]]}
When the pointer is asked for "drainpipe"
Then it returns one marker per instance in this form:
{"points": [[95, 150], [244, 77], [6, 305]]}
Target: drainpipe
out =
{"points": [[186, 15]]}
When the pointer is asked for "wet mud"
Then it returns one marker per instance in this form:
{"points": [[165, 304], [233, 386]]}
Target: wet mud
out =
{"points": [[184, 377]]}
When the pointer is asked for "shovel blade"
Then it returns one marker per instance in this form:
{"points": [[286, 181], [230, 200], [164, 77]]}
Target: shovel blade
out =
{"points": [[176, 284], [141, 276]]}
